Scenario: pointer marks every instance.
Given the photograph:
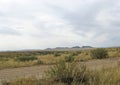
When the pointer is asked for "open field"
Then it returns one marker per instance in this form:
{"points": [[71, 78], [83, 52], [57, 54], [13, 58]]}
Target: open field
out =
{"points": [[33, 58], [16, 65], [39, 70]]}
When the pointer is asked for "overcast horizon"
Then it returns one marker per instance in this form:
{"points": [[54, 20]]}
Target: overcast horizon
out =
{"points": [[40, 24]]}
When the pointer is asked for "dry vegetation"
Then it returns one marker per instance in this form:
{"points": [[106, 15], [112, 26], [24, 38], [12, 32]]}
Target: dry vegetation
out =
{"points": [[72, 74], [66, 70], [31, 58]]}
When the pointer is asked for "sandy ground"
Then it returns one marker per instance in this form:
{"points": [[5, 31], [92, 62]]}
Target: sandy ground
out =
{"points": [[13, 73]]}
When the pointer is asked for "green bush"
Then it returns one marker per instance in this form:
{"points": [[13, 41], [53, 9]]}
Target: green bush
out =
{"points": [[69, 58], [99, 53], [68, 73], [26, 58]]}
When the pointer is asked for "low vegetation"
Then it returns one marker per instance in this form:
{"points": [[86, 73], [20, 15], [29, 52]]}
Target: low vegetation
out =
{"points": [[99, 53], [72, 74], [69, 58], [31, 58], [28, 58], [68, 73]]}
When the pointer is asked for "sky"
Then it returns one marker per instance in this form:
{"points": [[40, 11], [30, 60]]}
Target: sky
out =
{"points": [[40, 24]]}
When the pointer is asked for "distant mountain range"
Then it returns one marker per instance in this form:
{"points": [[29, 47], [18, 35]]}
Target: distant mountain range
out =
{"points": [[69, 48], [52, 49]]}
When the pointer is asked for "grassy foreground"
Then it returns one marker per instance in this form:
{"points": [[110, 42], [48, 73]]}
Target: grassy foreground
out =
{"points": [[72, 74]]}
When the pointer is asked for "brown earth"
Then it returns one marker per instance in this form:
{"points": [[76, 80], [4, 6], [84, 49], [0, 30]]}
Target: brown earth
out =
{"points": [[13, 73]]}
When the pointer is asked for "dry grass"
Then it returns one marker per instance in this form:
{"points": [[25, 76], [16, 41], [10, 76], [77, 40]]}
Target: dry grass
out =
{"points": [[15, 64], [109, 76], [8, 59]]}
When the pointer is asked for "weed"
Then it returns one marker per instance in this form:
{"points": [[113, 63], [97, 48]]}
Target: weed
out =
{"points": [[24, 58], [99, 53]]}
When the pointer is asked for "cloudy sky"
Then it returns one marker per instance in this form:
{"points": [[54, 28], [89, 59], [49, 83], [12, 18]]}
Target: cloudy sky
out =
{"points": [[39, 24]]}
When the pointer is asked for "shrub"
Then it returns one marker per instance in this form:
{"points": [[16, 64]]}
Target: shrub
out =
{"points": [[99, 53], [109, 76], [75, 54], [39, 62], [69, 58], [26, 58], [56, 54], [68, 73]]}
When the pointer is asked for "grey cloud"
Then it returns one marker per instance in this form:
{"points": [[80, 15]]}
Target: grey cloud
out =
{"points": [[8, 31], [82, 22], [85, 17], [1, 14]]}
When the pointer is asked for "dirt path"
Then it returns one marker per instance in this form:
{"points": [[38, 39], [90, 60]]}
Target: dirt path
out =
{"points": [[7, 74]]}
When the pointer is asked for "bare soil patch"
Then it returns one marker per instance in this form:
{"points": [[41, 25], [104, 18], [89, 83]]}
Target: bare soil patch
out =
{"points": [[13, 73]]}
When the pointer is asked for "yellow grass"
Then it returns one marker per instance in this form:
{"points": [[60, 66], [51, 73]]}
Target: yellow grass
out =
{"points": [[7, 59], [109, 76]]}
